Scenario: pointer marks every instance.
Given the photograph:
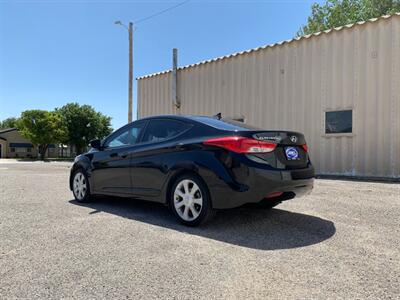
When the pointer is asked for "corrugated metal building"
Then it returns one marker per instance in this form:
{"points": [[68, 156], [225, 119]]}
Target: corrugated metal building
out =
{"points": [[340, 87]]}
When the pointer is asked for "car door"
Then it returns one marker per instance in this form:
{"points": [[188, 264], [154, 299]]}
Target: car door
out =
{"points": [[111, 165], [147, 164]]}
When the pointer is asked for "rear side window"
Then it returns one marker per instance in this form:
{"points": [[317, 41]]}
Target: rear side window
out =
{"points": [[160, 130], [339, 121]]}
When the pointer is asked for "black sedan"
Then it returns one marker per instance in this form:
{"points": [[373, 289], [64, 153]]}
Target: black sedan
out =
{"points": [[195, 164]]}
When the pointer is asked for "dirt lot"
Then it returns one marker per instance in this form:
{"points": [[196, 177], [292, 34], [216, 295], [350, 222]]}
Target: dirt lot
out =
{"points": [[342, 241]]}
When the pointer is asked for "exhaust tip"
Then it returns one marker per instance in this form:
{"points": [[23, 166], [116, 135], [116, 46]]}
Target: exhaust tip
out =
{"points": [[274, 195]]}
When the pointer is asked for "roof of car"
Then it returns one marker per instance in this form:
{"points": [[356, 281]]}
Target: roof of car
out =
{"points": [[222, 124], [173, 117]]}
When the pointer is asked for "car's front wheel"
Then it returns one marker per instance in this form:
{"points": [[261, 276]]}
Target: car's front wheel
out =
{"points": [[190, 201], [80, 186]]}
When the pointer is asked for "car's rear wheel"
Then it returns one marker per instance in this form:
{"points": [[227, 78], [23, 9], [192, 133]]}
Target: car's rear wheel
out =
{"points": [[190, 200], [80, 186]]}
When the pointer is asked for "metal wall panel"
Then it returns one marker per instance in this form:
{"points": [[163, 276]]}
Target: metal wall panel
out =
{"points": [[289, 86]]}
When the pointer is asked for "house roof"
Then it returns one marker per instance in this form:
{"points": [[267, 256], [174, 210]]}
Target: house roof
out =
{"points": [[308, 36], [7, 130]]}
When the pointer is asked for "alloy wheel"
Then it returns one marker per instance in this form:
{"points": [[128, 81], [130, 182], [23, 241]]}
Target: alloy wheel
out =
{"points": [[188, 200], [80, 186]]}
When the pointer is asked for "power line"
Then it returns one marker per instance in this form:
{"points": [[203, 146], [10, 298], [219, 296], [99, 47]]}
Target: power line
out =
{"points": [[160, 12]]}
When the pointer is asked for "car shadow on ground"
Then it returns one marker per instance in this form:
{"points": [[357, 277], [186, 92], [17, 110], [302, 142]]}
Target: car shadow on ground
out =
{"points": [[247, 227]]}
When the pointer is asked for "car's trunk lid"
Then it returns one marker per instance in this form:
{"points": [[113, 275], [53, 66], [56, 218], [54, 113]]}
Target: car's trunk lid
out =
{"points": [[290, 152]]}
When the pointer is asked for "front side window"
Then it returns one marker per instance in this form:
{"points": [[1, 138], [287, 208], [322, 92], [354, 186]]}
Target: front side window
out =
{"points": [[340, 121], [160, 130], [127, 137]]}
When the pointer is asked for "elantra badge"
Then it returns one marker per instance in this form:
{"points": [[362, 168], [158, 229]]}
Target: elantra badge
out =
{"points": [[293, 139]]}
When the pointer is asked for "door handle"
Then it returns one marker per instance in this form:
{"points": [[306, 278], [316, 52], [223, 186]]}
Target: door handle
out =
{"points": [[124, 154], [116, 154], [179, 146]]}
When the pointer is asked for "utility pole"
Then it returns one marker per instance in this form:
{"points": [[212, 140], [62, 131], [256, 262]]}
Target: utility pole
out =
{"points": [[130, 30], [174, 87]]}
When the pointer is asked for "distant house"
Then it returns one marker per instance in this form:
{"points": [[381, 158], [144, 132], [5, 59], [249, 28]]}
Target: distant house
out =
{"points": [[14, 145]]}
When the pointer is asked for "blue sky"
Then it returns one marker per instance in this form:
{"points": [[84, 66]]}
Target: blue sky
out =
{"points": [[54, 52]]}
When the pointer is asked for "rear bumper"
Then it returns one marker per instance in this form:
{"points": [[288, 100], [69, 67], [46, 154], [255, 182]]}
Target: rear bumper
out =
{"points": [[261, 182]]}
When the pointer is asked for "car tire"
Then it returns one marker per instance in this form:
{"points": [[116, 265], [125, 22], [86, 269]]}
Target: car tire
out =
{"points": [[190, 200], [80, 186]]}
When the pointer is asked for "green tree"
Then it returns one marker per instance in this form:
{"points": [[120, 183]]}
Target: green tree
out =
{"points": [[83, 124], [335, 13], [41, 128], [8, 123]]}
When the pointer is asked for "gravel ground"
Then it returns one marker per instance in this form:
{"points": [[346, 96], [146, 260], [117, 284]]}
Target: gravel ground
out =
{"points": [[342, 241]]}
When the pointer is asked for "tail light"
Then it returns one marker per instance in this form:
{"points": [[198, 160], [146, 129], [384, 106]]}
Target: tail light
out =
{"points": [[241, 144], [305, 147]]}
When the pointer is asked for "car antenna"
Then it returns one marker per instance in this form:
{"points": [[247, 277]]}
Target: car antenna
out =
{"points": [[218, 116]]}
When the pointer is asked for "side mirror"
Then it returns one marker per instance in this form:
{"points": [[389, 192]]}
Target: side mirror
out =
{"points": [[96, 144]]}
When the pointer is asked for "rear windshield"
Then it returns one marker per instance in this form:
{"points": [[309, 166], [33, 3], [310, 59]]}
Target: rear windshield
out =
{"points": [[224, 124]]}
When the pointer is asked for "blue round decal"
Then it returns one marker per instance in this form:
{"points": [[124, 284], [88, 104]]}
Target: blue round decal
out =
{"points": [[291, 153]]}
